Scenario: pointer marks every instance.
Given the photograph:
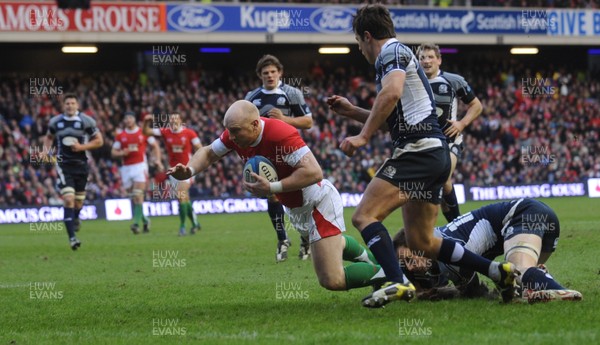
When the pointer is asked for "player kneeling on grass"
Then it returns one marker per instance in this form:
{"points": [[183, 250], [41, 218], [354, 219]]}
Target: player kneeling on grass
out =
{"points": [[313, 203], [526, 231]]}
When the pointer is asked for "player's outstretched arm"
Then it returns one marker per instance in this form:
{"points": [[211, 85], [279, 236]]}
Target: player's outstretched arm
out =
{"points": [[199, 162]]}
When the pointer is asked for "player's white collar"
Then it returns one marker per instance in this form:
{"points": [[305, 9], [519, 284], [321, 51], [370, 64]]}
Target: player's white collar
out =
{"points": [[276, 90], [262, 129], [72, 118], [131, 131], [388, 42]]}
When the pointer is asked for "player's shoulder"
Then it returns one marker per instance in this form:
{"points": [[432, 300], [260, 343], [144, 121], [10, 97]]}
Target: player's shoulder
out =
{"points": [[87, 119], [54, 119], [189, 131], [224, 135], [276, 129], [290, 90], [253, 94], [140, 131], [293, 93], [165, 131], [393, 48], [453, 78], [395, 53]]}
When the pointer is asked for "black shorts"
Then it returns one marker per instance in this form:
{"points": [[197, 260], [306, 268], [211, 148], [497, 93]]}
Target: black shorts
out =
{"points": [[535, 217], [419, 169], [72, 176]]}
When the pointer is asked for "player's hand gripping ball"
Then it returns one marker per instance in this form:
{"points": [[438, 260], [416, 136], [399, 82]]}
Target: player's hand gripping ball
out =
{"points": [[261, 166]]}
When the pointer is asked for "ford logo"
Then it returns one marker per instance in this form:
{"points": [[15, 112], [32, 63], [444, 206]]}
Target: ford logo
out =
{"points": [[195, 18], [332, 20]]}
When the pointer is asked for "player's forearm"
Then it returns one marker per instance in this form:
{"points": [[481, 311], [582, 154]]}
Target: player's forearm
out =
{"points": [[202, 159], [384, 104], [48, 144], [156, 153], [116, 153], [473, 112], [302, 122], [359, 114], [95, 143], [147, 128], [301, 178]]}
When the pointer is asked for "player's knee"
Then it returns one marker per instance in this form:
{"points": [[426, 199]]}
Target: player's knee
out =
{"points": [[447, 187], [359, 220], [67, 192], [137, 195], [333, 283], [523, 255]]}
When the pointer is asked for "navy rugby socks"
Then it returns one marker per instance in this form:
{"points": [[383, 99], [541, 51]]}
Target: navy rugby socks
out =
{"points": [[452, 204], [380, 243], [536, 279], [276, 213], [69, 215]]}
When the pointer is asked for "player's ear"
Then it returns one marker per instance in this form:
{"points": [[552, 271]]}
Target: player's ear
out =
{"points": [[366, 36]]}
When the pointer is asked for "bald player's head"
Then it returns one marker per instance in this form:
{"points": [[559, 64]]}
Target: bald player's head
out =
{"points": [[242, 120], [241, 112]]}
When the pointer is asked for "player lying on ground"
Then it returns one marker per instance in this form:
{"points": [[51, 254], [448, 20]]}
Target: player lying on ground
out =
{"points": [[313, 203], [526, 231]]}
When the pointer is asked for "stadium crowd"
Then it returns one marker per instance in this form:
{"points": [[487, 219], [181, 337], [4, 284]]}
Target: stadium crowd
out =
{"points": [[525, 134]]}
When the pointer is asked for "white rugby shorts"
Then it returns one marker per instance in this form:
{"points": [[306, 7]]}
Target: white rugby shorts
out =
{"points": [[322, 214], [134, 173]]}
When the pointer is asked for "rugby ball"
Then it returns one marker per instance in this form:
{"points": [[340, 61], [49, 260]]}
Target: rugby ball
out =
{"points": [[261, 166]]}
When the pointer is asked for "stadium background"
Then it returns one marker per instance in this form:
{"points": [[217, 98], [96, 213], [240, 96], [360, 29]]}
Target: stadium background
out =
{"points": [[539, 125]]}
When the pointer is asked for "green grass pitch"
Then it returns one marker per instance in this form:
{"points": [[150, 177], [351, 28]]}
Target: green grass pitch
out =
{"points": [[222, 286]]}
